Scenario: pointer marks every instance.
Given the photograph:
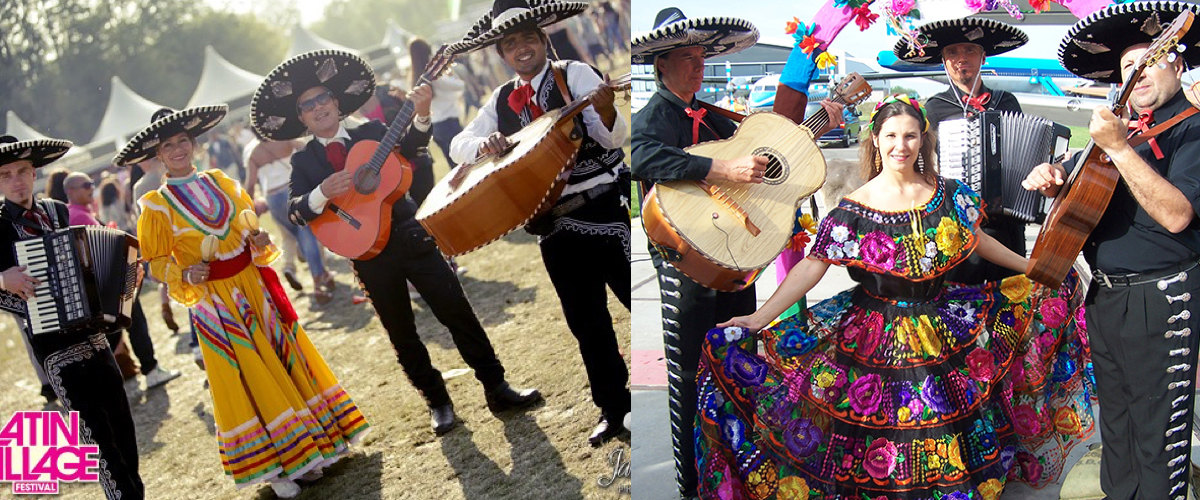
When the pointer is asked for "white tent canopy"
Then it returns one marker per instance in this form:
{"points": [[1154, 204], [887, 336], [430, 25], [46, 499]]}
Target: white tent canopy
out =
{"points": [[305, 41], [221, 81], [397, 38], [17, 127], [126, 113]]}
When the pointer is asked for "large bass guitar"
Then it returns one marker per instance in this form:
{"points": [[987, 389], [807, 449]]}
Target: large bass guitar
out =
{"points": [[1084, 197], [483, 200], [723, 234], [357, 224]]}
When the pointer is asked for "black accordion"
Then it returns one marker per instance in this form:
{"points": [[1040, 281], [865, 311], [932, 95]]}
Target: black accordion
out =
{"points": [[88, 279], [994, 151]]}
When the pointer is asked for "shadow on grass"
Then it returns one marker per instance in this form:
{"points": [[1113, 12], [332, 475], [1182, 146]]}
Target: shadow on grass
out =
{"points": [[148, 416], [537, 465]]}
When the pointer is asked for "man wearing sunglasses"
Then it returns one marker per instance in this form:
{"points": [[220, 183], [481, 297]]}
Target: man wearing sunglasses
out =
{"points": [[311, 93]]}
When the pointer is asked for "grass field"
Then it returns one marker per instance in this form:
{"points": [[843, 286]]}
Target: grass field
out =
{"points": [[542, 453]]}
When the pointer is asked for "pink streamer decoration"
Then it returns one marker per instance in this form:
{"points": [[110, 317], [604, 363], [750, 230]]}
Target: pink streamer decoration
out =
{"points": [[1084, 8], [830, 20]]}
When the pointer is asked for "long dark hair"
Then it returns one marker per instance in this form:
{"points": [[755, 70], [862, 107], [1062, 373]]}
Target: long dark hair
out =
{"points": [[55, 187], [419, 53], [110, 193], [869, 152]]}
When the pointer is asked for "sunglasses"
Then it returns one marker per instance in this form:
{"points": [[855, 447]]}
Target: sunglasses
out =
{"points": [[306, 106]]}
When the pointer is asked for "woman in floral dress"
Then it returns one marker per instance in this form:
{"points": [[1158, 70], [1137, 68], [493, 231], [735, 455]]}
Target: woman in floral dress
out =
{"points": [[904, 387]]}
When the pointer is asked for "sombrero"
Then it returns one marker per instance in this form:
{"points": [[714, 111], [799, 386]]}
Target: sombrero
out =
{"points": [[672, 30], [165, 123], [273, 110], [40, 152], [509, 16], [1093, 46], [994, 36]]}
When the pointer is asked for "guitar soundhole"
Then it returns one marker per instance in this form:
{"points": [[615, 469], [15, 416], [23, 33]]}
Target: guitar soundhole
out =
{"points": [[366, 181], [777, 167]]}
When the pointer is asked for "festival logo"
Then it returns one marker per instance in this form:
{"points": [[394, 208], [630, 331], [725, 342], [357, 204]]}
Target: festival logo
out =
{"points": [[39, 449]]}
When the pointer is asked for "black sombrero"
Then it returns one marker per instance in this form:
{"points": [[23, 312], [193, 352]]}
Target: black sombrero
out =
{"points": [[672, 30], [510, 16], [273, 111], [1093, 46], [165, 123], [994, 36], [40, 152]]}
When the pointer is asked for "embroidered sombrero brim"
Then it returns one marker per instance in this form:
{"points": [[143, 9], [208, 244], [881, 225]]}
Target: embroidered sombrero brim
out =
{"points": [[487, 31], [1093, 46], [194, 121], [994, 36], [718, 36], [274, 110], [40, 152]]}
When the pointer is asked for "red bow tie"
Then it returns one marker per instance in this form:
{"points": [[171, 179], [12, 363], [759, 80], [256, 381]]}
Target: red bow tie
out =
{"points": [[522, 98], [697, 116], [978, 101], [1141, 126]]}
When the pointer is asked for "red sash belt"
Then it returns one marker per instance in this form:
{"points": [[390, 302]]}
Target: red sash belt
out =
{"points": [[224, 269]]}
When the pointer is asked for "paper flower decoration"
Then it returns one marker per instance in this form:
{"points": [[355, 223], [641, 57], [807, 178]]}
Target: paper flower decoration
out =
{"points": [[863, 17]]}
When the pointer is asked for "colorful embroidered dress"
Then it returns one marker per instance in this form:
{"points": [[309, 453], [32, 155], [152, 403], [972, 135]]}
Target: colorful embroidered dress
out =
{"points": [[279, 410], [903, 387]]}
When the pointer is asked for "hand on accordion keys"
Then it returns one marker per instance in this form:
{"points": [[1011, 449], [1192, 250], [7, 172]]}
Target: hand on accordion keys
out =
{"points": [[15, 280]]}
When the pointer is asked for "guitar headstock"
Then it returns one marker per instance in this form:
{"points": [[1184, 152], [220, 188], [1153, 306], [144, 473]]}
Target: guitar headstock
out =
{"points": [[622, 83], [438, 65], [853, 89], [1165, 42]]}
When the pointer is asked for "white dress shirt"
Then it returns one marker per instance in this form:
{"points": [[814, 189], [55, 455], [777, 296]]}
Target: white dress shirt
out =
{"points": [[580, 80]]}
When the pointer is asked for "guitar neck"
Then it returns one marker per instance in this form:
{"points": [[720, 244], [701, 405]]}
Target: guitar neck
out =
{"points": [[818, 120]]}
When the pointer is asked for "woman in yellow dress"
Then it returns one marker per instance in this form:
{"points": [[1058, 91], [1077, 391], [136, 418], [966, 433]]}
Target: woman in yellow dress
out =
{"points": [[280, 413]]}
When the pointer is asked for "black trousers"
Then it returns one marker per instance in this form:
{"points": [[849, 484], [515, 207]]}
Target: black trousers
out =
{"points": [[581, 266], [1010, 232], [411, 255], [139, 338], [1144, 355], [689, 310], [86, 379]]}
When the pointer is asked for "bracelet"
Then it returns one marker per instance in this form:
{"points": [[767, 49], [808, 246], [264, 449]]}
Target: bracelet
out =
{"points": [[187, 276], [423, 120]]}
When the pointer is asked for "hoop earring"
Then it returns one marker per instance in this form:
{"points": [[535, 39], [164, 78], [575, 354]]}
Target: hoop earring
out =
{"points": [[920, 164]]}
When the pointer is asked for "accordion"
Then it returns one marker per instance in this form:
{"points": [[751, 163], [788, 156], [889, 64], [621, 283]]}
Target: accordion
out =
{"points": [[88, 279], [994, 151]]}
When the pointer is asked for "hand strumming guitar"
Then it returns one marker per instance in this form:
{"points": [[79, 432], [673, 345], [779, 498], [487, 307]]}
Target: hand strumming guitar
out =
{"points": [[337, 184], [494, 144], [745, 169]]}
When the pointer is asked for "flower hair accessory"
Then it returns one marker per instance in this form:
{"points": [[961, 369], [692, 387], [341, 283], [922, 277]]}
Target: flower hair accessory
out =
{"points": [[904, 98]]}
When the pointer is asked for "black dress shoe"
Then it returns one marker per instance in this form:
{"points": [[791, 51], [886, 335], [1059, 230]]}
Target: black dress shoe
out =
{"points": [[605, 430], [444, 419], [504, 398]]}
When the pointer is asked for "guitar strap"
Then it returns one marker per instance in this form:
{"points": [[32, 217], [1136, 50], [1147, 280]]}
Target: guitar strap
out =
{"points": [[1162, 127], [732, 115]]}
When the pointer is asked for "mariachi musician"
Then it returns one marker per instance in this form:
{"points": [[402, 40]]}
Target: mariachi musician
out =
{"points": [[962, 45], [79, 364], [585, 238], [671, 121], [312, 93], [1143, 253]]}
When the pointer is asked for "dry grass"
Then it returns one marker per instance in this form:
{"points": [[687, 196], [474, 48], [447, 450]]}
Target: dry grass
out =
{"points": [[541, 453]]}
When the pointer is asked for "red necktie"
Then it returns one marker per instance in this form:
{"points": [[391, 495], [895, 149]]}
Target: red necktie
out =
{"points": [[1141, 126], [978, 101], [335, 152], [697, 116], [522, 98]]}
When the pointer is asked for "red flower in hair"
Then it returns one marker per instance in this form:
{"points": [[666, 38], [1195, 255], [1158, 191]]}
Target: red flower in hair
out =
{"points": [[863, 17], [1039, 5]]}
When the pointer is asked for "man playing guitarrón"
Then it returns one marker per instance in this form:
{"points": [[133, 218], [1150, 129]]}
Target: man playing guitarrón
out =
{"points": [[1143, 253], [585, 237], [312, 92]]}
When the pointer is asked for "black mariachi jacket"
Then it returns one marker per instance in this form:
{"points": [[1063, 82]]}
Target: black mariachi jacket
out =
{"points": [[12, 214], [310, 167]]}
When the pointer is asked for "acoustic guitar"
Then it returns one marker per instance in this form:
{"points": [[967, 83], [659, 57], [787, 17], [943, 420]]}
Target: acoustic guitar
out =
{"points": [[485, 199], [357, 224], [723, 234], [1085, 196]]}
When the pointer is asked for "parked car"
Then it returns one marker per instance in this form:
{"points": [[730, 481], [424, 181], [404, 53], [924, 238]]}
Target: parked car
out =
{"points": [[841, 135]]}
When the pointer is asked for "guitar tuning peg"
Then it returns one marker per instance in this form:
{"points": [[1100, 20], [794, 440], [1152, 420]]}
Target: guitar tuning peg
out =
{"points": [[1172, 56], [1180, 48]]}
